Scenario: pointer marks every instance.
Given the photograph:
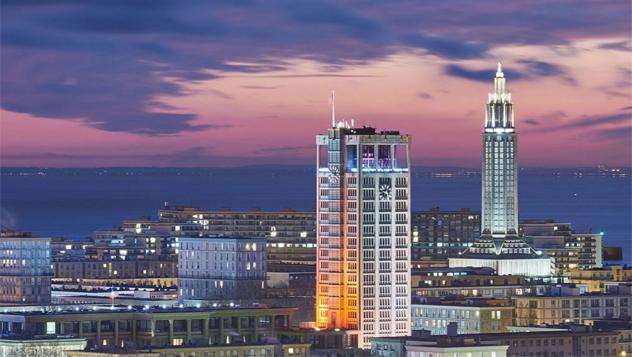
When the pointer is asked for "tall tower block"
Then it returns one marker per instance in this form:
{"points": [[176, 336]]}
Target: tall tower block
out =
{"points": [[500, 247], [500, 173], [363, 230]]}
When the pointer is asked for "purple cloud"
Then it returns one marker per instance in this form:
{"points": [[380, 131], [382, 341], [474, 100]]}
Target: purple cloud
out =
{"points": [[105, 62]]}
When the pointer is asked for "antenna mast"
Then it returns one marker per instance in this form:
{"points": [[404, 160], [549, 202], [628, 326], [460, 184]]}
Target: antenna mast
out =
{"points": [[333, 109]]}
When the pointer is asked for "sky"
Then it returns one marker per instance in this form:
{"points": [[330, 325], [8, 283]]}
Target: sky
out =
{"points": [[230, 83]]}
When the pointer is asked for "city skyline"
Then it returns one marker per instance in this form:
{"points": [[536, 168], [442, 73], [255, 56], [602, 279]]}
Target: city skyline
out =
{"points": [[295, 179], [168, 87]]}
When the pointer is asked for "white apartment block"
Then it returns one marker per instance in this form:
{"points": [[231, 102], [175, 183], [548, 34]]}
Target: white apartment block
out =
{"points": [[218, 267], [363, 230]]}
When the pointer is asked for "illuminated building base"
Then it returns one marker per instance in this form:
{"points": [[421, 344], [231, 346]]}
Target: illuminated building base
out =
{"points": [[507, 265]]}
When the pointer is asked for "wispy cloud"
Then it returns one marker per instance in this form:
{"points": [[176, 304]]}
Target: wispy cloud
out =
{"points": [[106, 62], [526, 69]]}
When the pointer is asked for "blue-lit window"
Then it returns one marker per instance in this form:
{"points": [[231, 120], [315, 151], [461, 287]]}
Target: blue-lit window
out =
{"points": [[368, 156], [352, 157], [384, 157]]}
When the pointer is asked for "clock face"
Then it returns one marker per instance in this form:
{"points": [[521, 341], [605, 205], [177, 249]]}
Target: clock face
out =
{"points": [[385, 192]]}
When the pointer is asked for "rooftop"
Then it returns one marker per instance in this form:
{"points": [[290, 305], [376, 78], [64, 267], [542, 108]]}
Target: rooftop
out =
{"points": [[151, 309], [458, 302]]}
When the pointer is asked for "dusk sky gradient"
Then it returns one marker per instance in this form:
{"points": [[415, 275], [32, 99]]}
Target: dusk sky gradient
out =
{"points": [[229, 83]]}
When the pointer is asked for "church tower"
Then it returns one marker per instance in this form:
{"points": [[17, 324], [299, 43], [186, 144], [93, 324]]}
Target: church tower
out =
{"points": [[500, 247]]}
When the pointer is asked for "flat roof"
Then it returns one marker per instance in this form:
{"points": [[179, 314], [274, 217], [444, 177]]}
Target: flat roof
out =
{"points": [[153, 309]]}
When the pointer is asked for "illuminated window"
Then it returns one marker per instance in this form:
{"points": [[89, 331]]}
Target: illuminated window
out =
{"points": [[50, 328]]}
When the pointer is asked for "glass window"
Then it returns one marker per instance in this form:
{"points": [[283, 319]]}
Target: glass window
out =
{"points": [[322, 156], [384, 157], [400, 157], [368, 156], [352, 156]]}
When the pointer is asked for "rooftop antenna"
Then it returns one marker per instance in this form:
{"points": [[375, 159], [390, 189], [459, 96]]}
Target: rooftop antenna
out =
{"points": [[333, 109]]}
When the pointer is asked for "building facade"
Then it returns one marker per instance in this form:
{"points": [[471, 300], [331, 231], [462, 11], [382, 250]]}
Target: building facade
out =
{"points": [[441, 234], [517, 344], [40, 347], [563, 244], [218, 350], [500, 247], [150, 326], [470, 315], [439, 346], [93, 274], [570, 304], [25, 269], [462, 277], [598, 279], [291, 235], [218, 267], [363, 222]]}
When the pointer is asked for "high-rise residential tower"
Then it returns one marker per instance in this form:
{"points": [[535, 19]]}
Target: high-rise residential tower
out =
{"points": [[363, 230], [500, 247]]}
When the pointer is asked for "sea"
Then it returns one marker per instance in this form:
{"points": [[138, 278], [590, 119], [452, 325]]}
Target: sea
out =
{"points": [[73, 203]]}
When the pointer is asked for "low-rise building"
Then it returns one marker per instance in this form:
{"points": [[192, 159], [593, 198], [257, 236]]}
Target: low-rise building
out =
{"points": [[219, 267], [25, 268], [492, 291], [470, 315], [42, 346], [463, 276], [95, 274], [69, 248], [576, 343], [439, 346], [624, 327], [264, 349], [572, 303], [552, 237], [149, 326], [598, 278]]}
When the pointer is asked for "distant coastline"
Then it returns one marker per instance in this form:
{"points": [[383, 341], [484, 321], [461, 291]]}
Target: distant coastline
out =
{"points": [[436, 171]]}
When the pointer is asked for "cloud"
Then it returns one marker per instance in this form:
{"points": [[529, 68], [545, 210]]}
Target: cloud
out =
{"points": [[259, 87], [587, 123], [446, 47], [620, 133], [105, 62], [597, 120], [527, 69], [535, 68], [625, 45]]}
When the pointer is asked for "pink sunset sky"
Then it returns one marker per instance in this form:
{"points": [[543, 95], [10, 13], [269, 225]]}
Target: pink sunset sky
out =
{"points": [[91, 84]]}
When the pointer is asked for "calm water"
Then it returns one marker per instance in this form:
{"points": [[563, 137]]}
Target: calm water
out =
{"points": [[75, 202]]}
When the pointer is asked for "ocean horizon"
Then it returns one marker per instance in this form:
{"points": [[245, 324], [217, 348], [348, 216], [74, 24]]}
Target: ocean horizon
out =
{"points": [[75, 202]]}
